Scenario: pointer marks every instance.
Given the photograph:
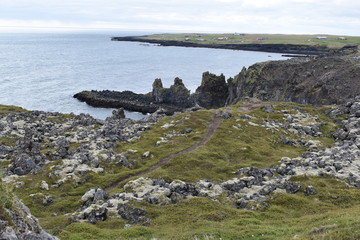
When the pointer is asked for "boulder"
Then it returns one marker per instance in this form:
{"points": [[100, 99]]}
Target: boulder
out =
{"points": [[291, 187], [226, 115], [309, 190], [94, 195], [24, 163], [133, 215], [118, 113], [96, 215], [23, 225], [44, 185]]}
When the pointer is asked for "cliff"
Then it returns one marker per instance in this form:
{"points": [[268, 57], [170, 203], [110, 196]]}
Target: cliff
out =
{"points": [[323, 80], [212, 93], [16, 221], [315, 80]]}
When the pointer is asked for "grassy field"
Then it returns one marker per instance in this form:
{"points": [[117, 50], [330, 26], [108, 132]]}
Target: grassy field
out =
{"points": [[331, 41], [330, 214]]}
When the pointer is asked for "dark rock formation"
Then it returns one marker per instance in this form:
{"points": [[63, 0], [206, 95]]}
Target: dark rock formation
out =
{"points": [[170, 100], [27, 157], [118, 113], [96, 215], [291, 187], [22, 225], [212, 92], [94, 195], [324, 80], [177, 95], [133, 215], [113, 99], [309, 190]]}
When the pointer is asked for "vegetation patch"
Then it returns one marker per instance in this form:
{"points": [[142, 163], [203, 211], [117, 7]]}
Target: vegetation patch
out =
{"points": [[241, 140], [5, 109]]}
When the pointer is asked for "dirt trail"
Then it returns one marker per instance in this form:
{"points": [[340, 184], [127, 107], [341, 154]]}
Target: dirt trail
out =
{"points": [[212, 127], [252, 104]]}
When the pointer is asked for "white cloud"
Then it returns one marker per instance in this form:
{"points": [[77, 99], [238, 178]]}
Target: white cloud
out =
{"points": [[273, 16]]}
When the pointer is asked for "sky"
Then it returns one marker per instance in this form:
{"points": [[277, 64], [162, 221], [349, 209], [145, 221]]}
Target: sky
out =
{"points": [[338, 17]]}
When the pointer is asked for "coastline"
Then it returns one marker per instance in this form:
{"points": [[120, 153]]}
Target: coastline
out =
{"points": [[258, 47]]}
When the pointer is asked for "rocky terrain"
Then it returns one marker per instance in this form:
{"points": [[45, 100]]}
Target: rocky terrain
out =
{"points": [[323, 80], [73, 170], [243, 157], [313, 80], [20, 224], [42, 138], [252, 186], [212, 93]]}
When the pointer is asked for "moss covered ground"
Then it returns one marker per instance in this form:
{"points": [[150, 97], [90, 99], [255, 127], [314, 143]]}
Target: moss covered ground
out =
{"points": [[333, 213]]}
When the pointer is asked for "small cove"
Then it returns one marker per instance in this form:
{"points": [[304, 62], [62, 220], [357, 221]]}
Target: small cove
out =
{"points": [[44, 71]]}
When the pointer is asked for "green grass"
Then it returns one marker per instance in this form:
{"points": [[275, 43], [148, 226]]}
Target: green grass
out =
{"points": [[6, 201], [332, 41], [201, 218], [330, 214], [4, 109], [8, 141]]}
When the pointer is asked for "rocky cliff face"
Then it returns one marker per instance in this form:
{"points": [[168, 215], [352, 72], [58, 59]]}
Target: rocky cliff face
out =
{"points": [[212, 92], [320, 80], [20, 224], [324, 80], [177, 95]]}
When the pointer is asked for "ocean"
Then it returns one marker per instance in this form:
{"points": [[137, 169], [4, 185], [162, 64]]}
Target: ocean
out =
{"points": [[43, 71]]}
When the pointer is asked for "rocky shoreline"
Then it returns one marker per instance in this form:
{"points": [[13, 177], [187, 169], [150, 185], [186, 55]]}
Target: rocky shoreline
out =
{"points": [[301, 80], [85, 170], [212, 93], [275, 48]]}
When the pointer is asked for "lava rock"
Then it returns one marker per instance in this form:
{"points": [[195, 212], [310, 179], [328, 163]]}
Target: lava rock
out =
{"points": [[213, 91], [309, 190], [96, 215], [291, 187], [133, 215]]}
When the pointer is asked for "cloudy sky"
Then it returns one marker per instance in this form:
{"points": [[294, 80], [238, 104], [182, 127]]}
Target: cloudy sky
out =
{"points": [[340, 17]]}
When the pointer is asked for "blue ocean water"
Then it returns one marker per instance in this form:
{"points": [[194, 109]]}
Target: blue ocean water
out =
{"points": [[43, 71]]}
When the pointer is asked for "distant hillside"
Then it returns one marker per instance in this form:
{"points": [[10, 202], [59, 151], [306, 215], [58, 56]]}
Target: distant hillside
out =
{"points": [[294, 44]]}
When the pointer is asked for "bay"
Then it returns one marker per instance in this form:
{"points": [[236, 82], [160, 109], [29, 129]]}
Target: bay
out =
{"points": [[43, 71]]}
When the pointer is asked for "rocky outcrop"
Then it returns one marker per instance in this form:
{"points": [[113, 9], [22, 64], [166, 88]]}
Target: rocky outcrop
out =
{"points": [[323, 80], [177, 95], [212, 92], [22, 225], [113, 99], [170, 100], [79, 143]]}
